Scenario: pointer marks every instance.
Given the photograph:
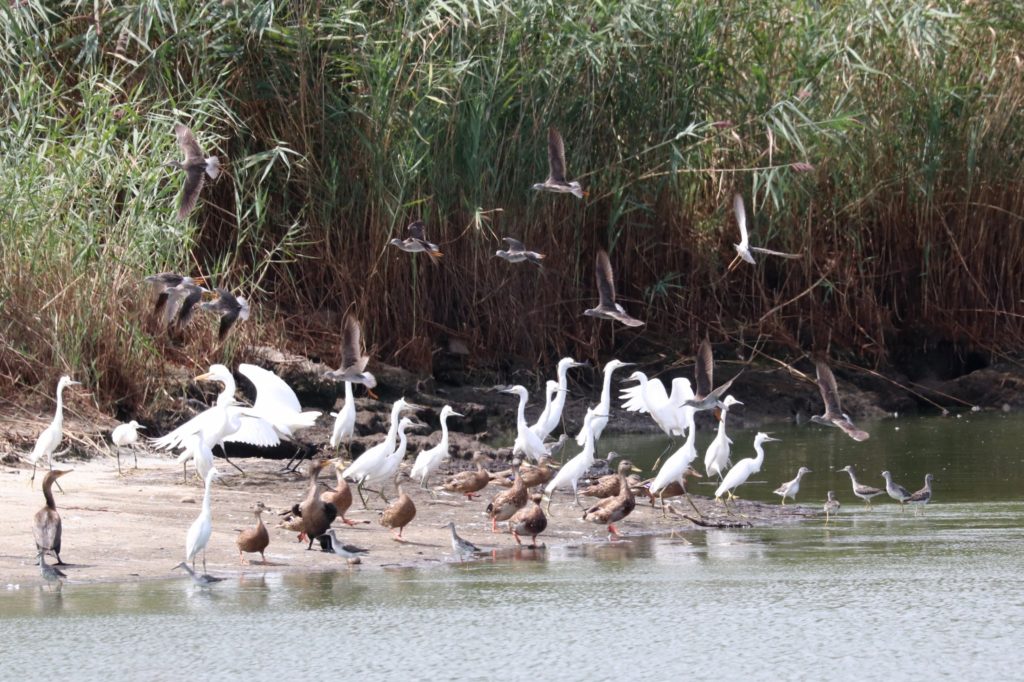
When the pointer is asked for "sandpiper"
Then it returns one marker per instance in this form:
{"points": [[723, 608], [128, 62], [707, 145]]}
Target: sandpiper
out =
{"points": [[864, 492], [231, 308], [417, 242], [834, 415], [196, 166], [556, 181], [461, 546], [831, 506], [203, 580], [791, 488], [607, 307], [353, 356], [517, 253], [922, 496], [329, 542], [895, 490]]}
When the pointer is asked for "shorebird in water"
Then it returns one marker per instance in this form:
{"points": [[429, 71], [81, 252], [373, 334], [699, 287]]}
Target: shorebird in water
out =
{"points": [[556, 181], [417, 242], [329, 542], [831, 506], [864, 492], [834, 415], [744, 249], [791, 488], [895, 490], [607, 307], [195, 166], [517, 253], [460, 545], [51, 574], [922, 496], [230, 308]]}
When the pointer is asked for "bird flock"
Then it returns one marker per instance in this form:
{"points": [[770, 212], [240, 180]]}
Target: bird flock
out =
{"points": [[276, 415]]}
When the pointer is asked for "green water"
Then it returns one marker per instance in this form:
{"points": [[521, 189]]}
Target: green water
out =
{"points": [[879, 593]]}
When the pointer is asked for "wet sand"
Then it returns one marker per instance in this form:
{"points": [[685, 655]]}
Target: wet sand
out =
{"points": [[133, 527]]}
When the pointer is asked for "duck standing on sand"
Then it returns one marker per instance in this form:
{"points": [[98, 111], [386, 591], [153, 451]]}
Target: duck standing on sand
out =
{"points": [[613, 509], [254, 539], [341, 496], [46, 526], [508, 502], [399, 513], [529, 520], [469, 483], [317, 515]]}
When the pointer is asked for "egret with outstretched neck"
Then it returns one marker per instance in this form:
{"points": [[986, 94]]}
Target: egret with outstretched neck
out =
{"points": [[745, 468], [716, 459], [52, 435], [428, 461], [550, 419], [603, 409], [199, 532], [527, 442]]}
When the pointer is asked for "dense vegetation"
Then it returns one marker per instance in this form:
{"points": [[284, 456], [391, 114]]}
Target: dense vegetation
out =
{"points": [[341, 121]]}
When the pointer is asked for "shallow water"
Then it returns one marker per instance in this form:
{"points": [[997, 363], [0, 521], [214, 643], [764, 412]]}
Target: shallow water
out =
{"points": [[879, 593]]}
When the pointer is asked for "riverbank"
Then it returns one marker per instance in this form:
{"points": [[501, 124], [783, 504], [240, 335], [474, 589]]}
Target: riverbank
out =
{"points": [[133, 527]]}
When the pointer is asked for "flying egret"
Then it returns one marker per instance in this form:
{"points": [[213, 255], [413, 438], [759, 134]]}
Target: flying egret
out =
{"points": [[428, 461], [517, 253], [527, 441], [744, 249], [607, 308], [552, 414], [674, 468], [196, 165], [52, 435], [864, 492], [834, 415], [603, 409], [613, 509], [199, 532], [831, 506], [791, 488], [744, 468], [573, 470], [230, 308], [716, 459], [46, 525], [922, 496], [126, 435], [417, 242], [353, 358], [375, 456], [666, 410], [556, 182], [895, 490]]}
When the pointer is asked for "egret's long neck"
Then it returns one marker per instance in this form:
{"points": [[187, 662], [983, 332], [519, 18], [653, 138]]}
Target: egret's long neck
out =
{"points": [[606, 392], [721, 423], [393, 430], [759, 460], [206, 495], [403, 442], [58, 416], [348, 393], [588, 446], [559, 402], [227, 395], [521, 414], [444, 433]]}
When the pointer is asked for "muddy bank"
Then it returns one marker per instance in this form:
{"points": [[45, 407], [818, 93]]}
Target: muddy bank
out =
{"points": [[133, 527]]}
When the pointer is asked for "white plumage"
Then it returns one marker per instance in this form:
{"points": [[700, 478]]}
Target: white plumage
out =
{"points": [[573, 470], [675, 466], [199, 532], [603, 409], [428, 461], [50, 438], [125, 435], [744, 468], [527, 441], [549, 421], [344, 419], [649, 396], [716, 459], [375, 456]]}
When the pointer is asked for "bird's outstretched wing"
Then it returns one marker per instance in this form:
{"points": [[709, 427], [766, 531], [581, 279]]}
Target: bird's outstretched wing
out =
{"points": [[556, 156], [605, 280], [704, 369], [741, 218], [187, 141]]}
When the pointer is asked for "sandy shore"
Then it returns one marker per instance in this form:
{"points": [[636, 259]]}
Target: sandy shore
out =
{"points": [[133, 527]]}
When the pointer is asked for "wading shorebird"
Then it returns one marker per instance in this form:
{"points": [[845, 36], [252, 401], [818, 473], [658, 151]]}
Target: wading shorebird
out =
{"points": [[864, 492]]}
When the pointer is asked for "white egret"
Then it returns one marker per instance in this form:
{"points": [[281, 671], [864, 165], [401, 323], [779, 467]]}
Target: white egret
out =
{"points": [[417, 242], [428, 461], [199, 532], [834, 415], [716, 459], [388, 469], [791, 488], [745, 468], [601, 412], [126, 435], [344, 420], [550, 418], [550, 393], [375, 456], [52, 435], [864, 492], [556, 182], [527, 442], [674, 468], [196, 449], [649, 396], [573, 470], [744, 249], [895, 490], [607, 308], [831, 506]]}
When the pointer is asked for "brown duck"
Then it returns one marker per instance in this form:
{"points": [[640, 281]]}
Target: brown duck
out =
{"points": [[529, 520], [469, 482], [508, 502], [399, 513], [341, 496], [46, 527], [532, 477], [317, 515], [608, 486], [613, 509], [254, 539]]}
